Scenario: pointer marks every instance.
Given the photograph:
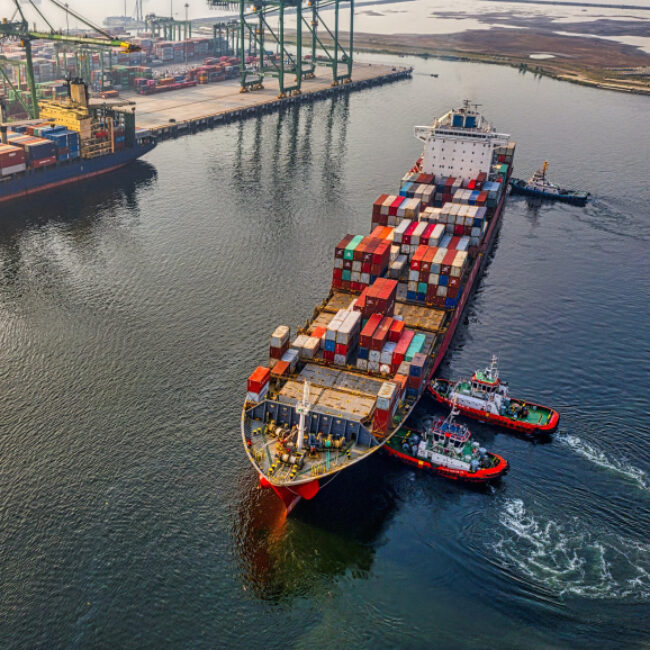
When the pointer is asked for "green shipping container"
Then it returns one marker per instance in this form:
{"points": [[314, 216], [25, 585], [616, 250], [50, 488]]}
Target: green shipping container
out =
{"points": [[416, 346], [346, 275], [348, 253]]}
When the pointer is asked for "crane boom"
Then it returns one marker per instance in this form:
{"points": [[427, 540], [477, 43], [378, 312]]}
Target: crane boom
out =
{"points": [[85, 40]]}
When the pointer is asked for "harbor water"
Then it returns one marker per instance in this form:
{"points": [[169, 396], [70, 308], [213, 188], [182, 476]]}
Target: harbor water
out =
{"points": [[133, 308]]}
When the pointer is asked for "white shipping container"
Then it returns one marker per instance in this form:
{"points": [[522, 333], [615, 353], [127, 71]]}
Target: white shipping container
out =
{"points": [[349, 329], [384, 369], [362, 364], [374, 355], [414, 276], [338, 262], [14, 169], [310, 348], [434, 278], [280, 336], [373, 366], [340, 359], [365, 278], [299, 342], [356, 265]]}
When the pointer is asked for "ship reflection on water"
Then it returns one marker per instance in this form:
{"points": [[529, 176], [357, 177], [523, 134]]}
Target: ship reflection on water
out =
{"points": [[287, 557]]}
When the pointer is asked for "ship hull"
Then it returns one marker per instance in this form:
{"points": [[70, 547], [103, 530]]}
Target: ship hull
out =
{"points": [[525, 428], [520, 187], [51, 178]]}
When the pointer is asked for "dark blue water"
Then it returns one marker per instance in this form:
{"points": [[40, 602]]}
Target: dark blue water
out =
{"points": [[132, 311]]}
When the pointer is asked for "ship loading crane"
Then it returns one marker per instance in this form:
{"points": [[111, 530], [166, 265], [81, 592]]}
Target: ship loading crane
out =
{"points": [[255, 22], [19, 29]]}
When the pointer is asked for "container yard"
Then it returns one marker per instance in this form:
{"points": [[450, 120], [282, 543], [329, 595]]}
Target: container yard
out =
{"points": [[199, 106]]}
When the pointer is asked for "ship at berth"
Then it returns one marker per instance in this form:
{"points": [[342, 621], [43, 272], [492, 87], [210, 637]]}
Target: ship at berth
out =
{"points": [[340, 387]]}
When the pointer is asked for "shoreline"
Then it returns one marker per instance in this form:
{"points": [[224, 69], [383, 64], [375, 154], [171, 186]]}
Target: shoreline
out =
{"points": [[584, 65]]}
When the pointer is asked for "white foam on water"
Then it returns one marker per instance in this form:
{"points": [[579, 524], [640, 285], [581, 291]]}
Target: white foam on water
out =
{"points": [[568, 559], [597, 456]]}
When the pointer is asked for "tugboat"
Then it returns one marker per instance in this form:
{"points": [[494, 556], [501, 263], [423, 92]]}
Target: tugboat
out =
{"points": [[444, 448], [539, 186], [486, 398]]}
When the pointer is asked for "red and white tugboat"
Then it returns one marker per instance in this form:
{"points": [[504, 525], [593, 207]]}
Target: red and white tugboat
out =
{"points": [[444, 448], [486, 398]]}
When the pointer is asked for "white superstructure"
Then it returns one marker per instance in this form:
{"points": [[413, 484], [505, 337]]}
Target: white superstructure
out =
{"points": [[460, 143]]}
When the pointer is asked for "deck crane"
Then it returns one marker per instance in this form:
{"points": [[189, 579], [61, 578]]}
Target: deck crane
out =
{"points": [[18, 27]]}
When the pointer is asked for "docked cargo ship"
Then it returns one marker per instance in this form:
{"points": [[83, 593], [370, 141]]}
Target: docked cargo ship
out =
{"points": [[343, 386], [72, 141]]}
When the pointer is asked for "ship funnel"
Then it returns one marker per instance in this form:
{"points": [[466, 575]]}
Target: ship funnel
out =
{"points": [[78, 92]]}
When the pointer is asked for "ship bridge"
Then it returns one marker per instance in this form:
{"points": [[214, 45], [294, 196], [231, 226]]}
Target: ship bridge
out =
{"points": [[460, 143]]}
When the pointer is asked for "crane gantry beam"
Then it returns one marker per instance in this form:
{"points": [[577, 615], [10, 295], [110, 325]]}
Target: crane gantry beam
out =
{"points": [[20, 29]]}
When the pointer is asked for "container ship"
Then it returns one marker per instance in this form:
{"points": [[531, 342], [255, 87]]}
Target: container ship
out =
{"points": [[72, 141], [342, 386]]}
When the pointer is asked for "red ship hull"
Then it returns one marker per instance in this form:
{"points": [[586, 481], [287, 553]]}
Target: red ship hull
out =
{"points": [[526, 428], [480, 476]]}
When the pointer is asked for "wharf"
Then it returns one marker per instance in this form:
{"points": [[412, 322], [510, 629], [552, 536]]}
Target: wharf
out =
{"points": [[186, 110]]}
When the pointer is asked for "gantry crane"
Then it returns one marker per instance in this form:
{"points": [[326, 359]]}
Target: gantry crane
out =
{"points": [[254, 23], [19, 29]]}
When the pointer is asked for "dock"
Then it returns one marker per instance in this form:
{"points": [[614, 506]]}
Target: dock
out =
{"points": [[187, 110]]}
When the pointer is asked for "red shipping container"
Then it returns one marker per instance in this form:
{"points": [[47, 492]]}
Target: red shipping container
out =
{"points": [[447, 260], [392, 211], [439, 301], [338, 274], [376, 206], [360, 249], [454, 282], [43, 162], [382, 219], [431, 293], [319, 332], [341, 348], [482, 198], [280, 368], [471, 185], [347, 264], [328, 355], [458, 230], [381, 421], [258, 379], [396, 330], [337, 284], [381, 254], [406, 237], [276, 353], [452, 292], [380, 335], [418, 256], [369, 330], [453, 243], [360, 304], [423, 276], [345, 285], [428, 259], [414, 382], [356, 286], [402, 346], [370, 250], [366, 267], [340, 247]]}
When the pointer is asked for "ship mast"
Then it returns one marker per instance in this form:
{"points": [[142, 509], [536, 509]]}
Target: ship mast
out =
{"points": [[303, 409], [493, 371]]}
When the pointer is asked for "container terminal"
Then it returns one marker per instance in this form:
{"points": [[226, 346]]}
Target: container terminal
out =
{"points": [[339, 389], [180, 86]]}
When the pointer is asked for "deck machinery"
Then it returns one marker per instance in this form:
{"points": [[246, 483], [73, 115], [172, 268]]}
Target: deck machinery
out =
{"points": [[291, 27]]}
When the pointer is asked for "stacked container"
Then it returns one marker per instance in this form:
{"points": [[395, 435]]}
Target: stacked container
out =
{"points": [[12, 159], [279, 342], [258, 384], [385, 407]]}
